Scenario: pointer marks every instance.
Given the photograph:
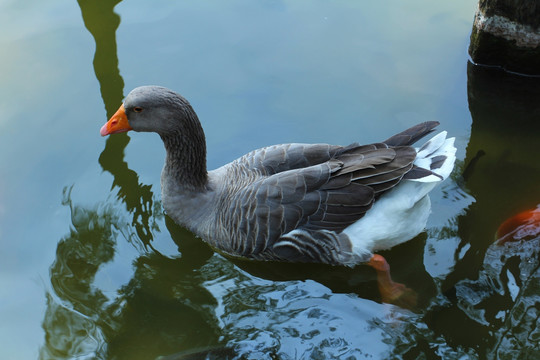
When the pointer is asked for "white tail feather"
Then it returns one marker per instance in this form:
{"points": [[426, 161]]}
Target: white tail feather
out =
{"points": [[402, 213], [432, 151], [432, 145]]}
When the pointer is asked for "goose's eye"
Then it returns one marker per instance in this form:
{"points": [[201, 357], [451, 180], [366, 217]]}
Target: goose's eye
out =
{"points": [[137, 109]]}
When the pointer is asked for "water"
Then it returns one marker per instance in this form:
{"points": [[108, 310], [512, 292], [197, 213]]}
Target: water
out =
{"points": [[90, 267]]}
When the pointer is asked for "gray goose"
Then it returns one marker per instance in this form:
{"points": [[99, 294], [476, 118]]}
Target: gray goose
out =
{"points": [[292, 202]]}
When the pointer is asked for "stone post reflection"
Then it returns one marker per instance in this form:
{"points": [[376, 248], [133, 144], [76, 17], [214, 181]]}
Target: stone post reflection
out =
{"points": [[490, 282]]}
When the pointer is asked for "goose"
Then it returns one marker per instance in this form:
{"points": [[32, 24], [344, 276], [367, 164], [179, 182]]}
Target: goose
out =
{"points": [[296, 202]]}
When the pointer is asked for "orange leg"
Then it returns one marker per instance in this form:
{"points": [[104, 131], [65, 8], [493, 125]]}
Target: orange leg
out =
{"points": [[391, 292]]}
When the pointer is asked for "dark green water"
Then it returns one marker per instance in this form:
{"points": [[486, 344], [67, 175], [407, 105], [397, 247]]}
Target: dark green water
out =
{"points": [[91, 268]]}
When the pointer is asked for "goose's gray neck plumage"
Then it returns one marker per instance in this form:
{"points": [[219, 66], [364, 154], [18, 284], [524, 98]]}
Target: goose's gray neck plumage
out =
{"points": [[184, 179], [185, 161]]}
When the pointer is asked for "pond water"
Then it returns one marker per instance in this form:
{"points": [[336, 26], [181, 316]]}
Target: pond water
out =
{"points": [[91, 268]]}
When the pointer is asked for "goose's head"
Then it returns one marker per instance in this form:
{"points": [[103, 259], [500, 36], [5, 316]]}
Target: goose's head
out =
{"points": [[152, 109]]}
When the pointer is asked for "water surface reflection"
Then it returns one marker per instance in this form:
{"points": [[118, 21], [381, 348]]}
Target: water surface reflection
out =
{"points": [[195, 304], [163, 308]]}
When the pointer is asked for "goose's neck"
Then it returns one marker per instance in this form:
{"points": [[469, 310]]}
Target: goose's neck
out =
{"points": [[185, 162]]}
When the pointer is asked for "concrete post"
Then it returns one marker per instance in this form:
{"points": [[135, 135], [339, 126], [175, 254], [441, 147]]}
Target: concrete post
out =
{"points": [[506, 33]]}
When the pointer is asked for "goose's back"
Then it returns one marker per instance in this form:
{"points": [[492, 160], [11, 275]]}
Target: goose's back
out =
{"points": [[272, 191]]}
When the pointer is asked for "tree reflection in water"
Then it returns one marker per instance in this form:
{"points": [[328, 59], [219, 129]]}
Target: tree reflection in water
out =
{"points": [[152, 314], [160, 310], [76, 307]]}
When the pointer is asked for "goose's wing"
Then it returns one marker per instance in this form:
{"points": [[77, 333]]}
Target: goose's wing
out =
{"points": [[326, 196], [278, 158], [412, 134], [275, 159]]}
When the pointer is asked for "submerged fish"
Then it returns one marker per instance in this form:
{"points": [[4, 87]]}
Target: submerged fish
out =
{"points": [[523, 226]]}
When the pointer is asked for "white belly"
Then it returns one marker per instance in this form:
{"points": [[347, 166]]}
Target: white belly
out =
{"points": [[396, 217]]}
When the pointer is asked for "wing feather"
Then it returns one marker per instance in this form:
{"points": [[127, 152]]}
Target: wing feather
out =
{"points": [[330, 195], [279, 158]]}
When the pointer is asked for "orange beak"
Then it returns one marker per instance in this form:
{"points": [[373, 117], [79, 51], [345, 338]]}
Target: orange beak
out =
{"points": [[118, 123]]}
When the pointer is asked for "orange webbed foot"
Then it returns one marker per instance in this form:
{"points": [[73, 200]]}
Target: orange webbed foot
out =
{"points": [[391, 292]]}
